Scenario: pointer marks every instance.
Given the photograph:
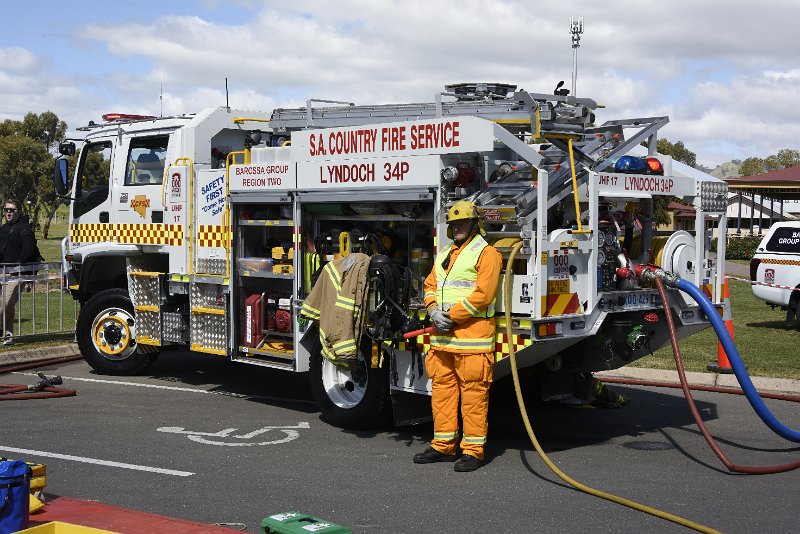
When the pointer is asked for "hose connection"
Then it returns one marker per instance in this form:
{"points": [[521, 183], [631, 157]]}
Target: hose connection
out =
{"points": [[648, 273]]}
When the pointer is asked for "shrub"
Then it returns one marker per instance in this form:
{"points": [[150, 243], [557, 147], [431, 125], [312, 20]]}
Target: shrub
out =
{"points": [[741, 248]]}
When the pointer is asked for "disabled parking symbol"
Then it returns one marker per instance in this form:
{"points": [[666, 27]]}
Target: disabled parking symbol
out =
{"points": [[282, 434]]}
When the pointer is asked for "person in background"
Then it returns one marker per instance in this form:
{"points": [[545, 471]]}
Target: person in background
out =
{"points": [[17, 245], [460, 299]]}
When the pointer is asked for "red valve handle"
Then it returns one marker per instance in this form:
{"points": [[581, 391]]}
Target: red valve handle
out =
{"points": [[415, 333]]}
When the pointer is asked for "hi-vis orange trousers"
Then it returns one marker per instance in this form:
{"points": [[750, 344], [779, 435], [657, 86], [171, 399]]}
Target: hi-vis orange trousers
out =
{"points": [[464, 377]]}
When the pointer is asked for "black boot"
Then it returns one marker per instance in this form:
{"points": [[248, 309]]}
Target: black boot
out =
{"points": [[467, 463], [431, 455]]}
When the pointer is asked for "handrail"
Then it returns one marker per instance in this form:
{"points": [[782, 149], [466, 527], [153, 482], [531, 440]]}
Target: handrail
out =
{"points": [[182, 162], [226, 214], [580, 229]]}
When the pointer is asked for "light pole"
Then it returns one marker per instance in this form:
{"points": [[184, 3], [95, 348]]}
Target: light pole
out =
{"points": [[575, 29]]}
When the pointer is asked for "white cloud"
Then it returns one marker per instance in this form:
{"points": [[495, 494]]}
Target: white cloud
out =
{"points": [[17, 59]]}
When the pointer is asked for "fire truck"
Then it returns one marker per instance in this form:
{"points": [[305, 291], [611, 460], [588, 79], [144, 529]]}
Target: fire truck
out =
{"points": [[206, 232]]}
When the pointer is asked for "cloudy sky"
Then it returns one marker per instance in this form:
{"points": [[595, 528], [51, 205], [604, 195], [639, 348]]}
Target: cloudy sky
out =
{"points": [[726, 73]]}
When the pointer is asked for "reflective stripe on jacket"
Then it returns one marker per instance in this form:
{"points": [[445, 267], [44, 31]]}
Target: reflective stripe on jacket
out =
{"points": [[466, 286], [337, 302]]}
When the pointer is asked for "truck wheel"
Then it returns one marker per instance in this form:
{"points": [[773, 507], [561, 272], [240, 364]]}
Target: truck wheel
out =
{"points": [[354, 397], [106, 334]]}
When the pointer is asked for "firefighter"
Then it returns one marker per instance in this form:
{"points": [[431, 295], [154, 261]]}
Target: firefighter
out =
{"points": [[460, 299]]}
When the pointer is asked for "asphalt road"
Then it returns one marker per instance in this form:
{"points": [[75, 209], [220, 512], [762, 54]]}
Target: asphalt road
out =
{"points": [[202, 439]]}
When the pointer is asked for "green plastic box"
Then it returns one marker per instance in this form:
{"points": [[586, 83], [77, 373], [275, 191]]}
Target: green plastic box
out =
{"points": [[297, 523]]}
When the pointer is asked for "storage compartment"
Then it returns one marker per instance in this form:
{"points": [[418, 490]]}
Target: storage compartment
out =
{"points": [[264, 252], [256, 264]]}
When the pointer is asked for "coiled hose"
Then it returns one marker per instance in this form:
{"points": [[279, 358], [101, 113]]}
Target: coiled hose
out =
{"points": [[676, 351], [563, 476], [736, 363], [14, 392]]}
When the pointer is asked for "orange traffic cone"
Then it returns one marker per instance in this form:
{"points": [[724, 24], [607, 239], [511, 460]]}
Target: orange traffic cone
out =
{"points": [[723, 365]]}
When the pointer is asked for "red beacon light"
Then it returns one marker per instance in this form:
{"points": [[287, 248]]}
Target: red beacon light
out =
{"points": [[654, 166], [111, 117]]}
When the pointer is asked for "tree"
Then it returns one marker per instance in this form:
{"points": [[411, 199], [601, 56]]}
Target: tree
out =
{"points": [[678, 151], [788, 158], [27, 170], [46, 128], [784, 159], [23, 161], [751, 167]]}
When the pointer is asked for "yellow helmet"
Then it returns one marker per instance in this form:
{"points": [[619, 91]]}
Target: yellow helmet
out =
{"points": [[461, 210]]}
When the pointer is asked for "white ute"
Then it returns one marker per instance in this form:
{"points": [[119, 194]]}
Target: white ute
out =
{"points": [[776, 269]]}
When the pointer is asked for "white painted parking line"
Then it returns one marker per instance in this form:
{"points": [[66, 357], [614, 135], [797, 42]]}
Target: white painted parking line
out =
{"points": [[96, 461], [180, 389]]}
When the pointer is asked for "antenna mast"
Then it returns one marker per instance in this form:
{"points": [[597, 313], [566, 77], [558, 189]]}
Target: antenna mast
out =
{"points": [[576, 29]]}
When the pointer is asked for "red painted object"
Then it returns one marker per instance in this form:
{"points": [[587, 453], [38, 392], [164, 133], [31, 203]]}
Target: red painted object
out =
{"points": [[115, 519], [415, 333]]}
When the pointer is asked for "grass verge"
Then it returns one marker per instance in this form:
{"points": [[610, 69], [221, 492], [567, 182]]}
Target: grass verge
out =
{"points": [[766, 346]]}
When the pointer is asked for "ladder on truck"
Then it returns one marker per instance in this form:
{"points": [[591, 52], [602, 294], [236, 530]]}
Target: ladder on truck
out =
{"points": [[561, 125]]}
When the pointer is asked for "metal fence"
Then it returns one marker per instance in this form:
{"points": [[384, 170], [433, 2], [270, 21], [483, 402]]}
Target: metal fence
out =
{"points": [[35, 301]]}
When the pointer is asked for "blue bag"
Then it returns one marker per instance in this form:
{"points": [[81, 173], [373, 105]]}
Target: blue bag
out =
{"points": [[15, 484]]}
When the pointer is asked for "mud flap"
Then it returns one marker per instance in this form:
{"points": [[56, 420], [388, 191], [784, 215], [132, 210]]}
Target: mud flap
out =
{"points": [[410, 408]]}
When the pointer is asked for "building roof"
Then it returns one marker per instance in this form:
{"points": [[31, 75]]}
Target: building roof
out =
{"points": [[781, 184], [680, 210]]}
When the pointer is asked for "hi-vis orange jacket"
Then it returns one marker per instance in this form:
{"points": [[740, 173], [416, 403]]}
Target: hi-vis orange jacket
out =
{"points": [[470, 324]]}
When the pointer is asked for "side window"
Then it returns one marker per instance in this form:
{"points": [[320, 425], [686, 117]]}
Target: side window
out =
{"points": [[146, 159], [785, 240], [91, 189]]}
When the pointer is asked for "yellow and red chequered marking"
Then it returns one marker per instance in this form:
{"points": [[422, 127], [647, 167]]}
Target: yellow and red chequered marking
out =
{"points": [[560, 304], [150, 234], [776, 261], [502, 344], [213, 236], [91, 233], [424, 342]]}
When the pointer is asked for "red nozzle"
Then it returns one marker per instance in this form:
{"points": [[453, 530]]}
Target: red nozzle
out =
{"points": [[415, 333]]}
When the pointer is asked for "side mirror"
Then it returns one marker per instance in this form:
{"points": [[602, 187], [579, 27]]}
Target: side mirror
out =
{"points": [[66, 148], [61, 177]]}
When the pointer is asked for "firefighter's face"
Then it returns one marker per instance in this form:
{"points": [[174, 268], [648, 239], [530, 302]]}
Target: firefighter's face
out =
{"points": [[462, 229], [11, 213]]}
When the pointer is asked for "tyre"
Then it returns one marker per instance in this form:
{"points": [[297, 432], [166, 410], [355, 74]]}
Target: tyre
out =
{"points": [[793, 313], [106, 334], [356, 397]]}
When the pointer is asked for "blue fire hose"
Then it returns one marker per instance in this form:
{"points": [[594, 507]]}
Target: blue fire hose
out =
{"points": [[736, 363]]}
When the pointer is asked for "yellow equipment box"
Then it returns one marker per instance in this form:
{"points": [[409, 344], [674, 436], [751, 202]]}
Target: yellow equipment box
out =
{"points": [[280, 253], [38, 476], [283, 269], [57, 527]]}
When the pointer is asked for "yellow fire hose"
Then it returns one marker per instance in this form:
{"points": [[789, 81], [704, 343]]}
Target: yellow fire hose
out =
{"points": [[563, 476]]}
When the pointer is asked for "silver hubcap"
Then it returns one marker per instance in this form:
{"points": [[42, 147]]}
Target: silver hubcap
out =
{"points": [[345, 386]]}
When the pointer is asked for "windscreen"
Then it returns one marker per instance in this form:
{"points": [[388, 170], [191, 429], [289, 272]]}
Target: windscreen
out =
{"points": [[785, 239]]}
